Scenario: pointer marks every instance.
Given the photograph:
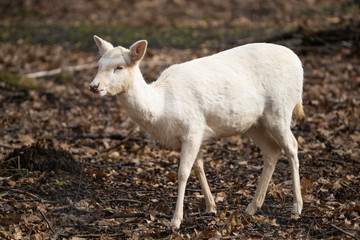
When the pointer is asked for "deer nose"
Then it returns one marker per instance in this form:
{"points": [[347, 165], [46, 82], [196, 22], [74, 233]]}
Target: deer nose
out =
{"points": [[94, 87]]}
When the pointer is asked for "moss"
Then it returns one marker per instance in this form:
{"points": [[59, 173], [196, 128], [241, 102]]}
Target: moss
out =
{"points": [[63, 78], [28, 83], [82, 36], [16, 81]]}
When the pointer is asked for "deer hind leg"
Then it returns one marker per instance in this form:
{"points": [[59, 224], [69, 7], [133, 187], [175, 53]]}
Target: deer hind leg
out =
{"points": [[209, 200], [271, 152], [288, 142]]}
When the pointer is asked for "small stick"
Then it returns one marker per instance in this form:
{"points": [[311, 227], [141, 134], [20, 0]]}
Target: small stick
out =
{"points": [[56, 234], [8, 147], [47, 221], [122, 141], [38, 200], [129, 215], [251, 228], [342, 230], [333, 161], [19, 191], [59, 70], [123, 200], [32, 229], [246, 221], [91, 235]]}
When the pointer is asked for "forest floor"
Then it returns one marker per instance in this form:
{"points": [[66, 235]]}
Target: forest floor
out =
{"points": [[74, 166]]}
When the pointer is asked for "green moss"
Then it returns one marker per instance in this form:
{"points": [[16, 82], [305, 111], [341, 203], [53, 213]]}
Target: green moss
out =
{"points": [[63, 78], [62, 183], [16, 81], [82, 36]]}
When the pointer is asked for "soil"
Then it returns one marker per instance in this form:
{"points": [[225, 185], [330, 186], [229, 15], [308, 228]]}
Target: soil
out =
{"points": [[74, 166]]}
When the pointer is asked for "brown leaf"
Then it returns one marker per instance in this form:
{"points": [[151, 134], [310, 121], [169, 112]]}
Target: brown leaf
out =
{"points": [[220, 197]]}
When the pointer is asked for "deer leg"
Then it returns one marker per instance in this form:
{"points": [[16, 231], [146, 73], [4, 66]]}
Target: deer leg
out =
{"points": [[209, 200], [189, 150], [271, 152]]}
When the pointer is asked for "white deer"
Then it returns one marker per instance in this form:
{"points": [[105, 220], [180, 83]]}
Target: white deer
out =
{"points": [[253, 88]]}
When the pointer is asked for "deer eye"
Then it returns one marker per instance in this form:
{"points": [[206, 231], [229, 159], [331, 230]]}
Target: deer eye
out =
{"points": [[118, 68]]}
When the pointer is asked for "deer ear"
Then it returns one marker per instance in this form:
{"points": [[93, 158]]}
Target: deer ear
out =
{"points": [[137, 50], [103, 45]]}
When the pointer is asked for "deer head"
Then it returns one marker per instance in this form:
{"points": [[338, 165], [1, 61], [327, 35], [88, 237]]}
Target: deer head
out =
{"points": [[117, 66]]}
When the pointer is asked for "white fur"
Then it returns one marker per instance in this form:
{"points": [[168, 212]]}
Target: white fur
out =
{"points": [[252, 88]]}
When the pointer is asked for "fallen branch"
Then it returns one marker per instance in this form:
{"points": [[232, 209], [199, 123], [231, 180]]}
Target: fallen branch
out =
{"points": [[56, 234], [20, 191], [129, 215], [8, 147], [92, 136], [60, 70], [251, 227], [32, 229], [342, 230], [333, 161], [132, 131], [91, 235], [123, 200], [35, 198], [38, 200], [47, 221]]}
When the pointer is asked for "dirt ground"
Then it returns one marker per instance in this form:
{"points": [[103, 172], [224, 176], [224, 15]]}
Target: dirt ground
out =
{"points": [[74, 166]]}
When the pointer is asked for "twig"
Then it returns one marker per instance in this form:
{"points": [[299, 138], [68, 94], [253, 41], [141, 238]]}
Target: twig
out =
{"points": [[20, 191], [333, 161], [91, 235], [37, 200], [129, 215], [92, 136], [342, 230], [234, 237], [246, 220], [32, 229], [59, 70], [123, 200], [47, 221], [322, 234], [132, 131], [56, 234], [8, 147], [35, 197], [163, 216], [251, 228], [345, 185]]}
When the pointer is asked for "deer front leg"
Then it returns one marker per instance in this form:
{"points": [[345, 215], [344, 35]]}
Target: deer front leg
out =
{"points": [[189, 150], [209, 200]]}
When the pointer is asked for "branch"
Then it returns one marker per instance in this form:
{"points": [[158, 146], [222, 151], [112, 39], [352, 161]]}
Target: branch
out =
{"points": [[129, 215], [132, 131], [60, 70], [47, 221], [20, 191], [56, 234], [92, 136], [123, 200], [342, 230]]}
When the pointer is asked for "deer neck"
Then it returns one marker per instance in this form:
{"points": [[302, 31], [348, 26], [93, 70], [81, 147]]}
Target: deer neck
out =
{"points": [[142, 101]]}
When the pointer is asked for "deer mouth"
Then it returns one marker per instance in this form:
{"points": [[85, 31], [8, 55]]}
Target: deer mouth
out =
{"points": [[97, 91]]}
